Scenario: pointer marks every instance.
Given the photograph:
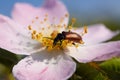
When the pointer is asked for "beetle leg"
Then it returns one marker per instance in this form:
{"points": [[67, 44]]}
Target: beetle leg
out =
{"points": [[73, 43], [60, 42]]}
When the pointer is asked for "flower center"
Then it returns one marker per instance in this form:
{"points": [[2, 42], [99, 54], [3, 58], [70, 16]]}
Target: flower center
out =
{"points": [[54, 36]]}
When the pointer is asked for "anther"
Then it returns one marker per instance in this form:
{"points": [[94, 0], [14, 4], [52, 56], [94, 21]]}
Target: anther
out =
{"points": [[41, 22], [45, 19], [34, 32], [85, 29], [32, 21], [36, 17], [46, 15], [29, 27], [33, 37], [73, 20], [43, 28], [66, 15]]}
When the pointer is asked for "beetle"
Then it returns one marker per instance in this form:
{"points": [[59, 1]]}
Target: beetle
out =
{"points": [[68, 35]]}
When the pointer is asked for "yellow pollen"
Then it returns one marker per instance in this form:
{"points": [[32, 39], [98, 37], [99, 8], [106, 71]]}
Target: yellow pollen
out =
{"points": [[76, 45], [48, 40], [49, 48], [69, 27], [41, 22], [81, 42], [85, 29], [34, 32], [45, 19], [59, 26], [61, 20], [33, 37], [48, 27], [36, 17], [29, 27], [66, 15], [54, 34], [32, 21], [43, 28], [65, 26], [38, 36], [73, 20], [46, 15]]}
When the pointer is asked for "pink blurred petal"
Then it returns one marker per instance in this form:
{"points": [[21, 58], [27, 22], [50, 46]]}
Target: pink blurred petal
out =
{"points": [[45, 66], [96, 52], [15, 38], [97, 33], [106, 56], [25, 13]]}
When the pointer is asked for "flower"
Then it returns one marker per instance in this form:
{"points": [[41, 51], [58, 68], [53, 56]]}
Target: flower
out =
{"points": [[47, 61]]}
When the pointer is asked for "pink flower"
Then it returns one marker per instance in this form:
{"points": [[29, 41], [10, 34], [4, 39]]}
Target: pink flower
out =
{"points": [[45, 61]]}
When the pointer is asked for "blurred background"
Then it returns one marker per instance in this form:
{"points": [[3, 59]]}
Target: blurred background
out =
{"points": [[85, 11]]}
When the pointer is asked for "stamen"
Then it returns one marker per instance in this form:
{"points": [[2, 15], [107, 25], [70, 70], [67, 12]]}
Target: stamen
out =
{"points": [[41, 22], [61, 20], [73, 20], [66, 15], [33, 37], [29, 27], [36, 17], [46, 15], [85, 30], [47, 40], [45, 19], [32, 21], [81, 42], [54, 34], [48, 27], [34, 32], [65, 26], [69, 27], [43, 28]]}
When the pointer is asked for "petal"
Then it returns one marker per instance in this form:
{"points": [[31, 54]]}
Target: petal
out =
{"points": [[96, 52], [45, 66], [25, 13], [15, 38], [97, 33]]}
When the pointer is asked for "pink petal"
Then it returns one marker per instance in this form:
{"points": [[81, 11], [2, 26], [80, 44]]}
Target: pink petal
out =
{"points": [[97, 33], [96, 52], [15, 38], [45, 66], [25, 13]]}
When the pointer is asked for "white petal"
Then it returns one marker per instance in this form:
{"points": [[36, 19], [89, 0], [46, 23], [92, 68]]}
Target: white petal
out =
{"points": [[96, 52], [15, 37], [45, 66], [25, 13], [97, 33]]}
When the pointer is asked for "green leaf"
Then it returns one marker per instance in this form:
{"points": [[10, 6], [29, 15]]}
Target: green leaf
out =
{"points": [[111, 65], [7, 58], [112, 68], [88, 72], [100, 76]]}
